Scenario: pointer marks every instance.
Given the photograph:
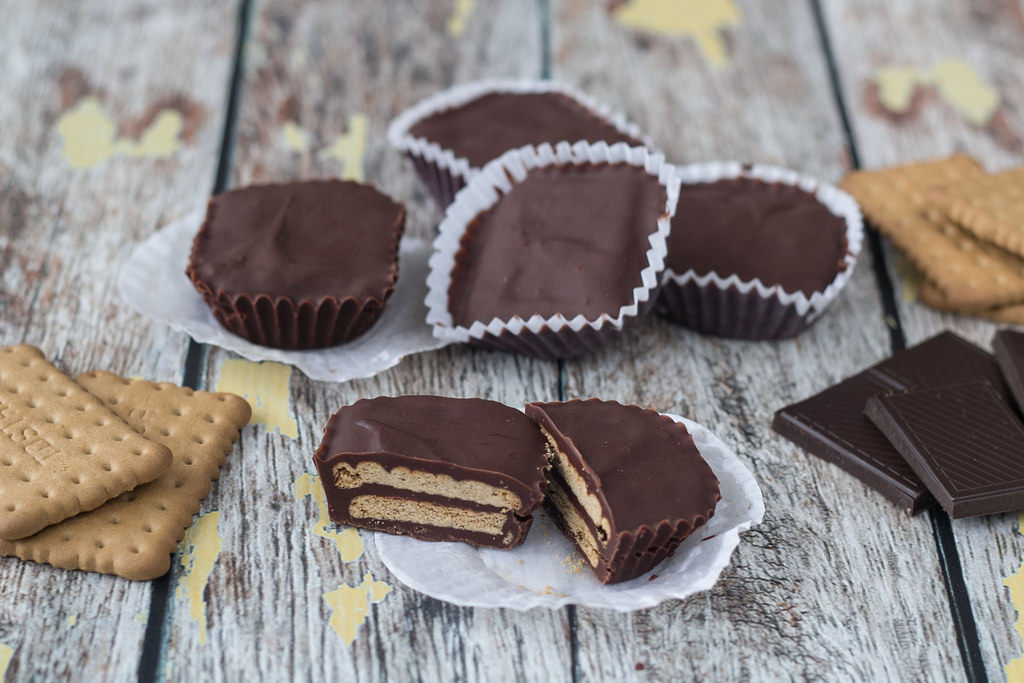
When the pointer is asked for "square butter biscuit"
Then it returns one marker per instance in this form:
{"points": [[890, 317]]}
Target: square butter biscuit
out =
{"points": [[134, 535], [62, 451]]}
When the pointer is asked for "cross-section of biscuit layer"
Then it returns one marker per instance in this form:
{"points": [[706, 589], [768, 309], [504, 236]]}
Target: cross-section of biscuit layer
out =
{"points": [[439, 469], [627, 484]]}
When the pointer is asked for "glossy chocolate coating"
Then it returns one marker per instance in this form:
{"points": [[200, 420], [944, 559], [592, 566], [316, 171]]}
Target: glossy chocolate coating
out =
{"points": [[304, 241], [644, 468], [484, 128], [964, 441], [466, 439], [776, 233], [568, 239], [832, 425]]}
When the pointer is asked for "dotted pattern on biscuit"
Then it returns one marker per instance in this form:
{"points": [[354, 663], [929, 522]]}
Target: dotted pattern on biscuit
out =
{"points": [[989, 206], [135, 535], [1010, 314], [61, 450]]}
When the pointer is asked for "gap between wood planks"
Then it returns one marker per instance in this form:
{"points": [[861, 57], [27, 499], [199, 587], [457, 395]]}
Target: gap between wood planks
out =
{"points": [[195, 359], [942, 530]]}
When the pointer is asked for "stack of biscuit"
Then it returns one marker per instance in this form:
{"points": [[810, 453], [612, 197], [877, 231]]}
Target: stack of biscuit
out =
{"points": [[962, 227], [103, 473]]}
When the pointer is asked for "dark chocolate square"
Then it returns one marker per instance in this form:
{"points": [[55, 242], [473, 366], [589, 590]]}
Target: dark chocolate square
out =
{"points": [[832, 426], [964, 441]]}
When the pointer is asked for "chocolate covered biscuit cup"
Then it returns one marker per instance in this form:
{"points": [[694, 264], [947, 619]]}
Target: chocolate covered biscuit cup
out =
{"points": [[451, 135], [757, 252], [552, 251], [298, 266]]}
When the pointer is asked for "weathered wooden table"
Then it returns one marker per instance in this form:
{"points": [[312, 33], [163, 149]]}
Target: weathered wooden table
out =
{"points": [[117, 117]]}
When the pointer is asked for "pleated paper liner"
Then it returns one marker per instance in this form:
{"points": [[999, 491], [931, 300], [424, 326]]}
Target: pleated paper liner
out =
{"points": [[440, 169], [153, 282], [724, 304], [562, 335]]}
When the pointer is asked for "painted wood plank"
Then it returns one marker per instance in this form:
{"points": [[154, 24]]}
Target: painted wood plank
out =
{"points": [[982, 41], [315, 75], [110, 117], [836, 582]]}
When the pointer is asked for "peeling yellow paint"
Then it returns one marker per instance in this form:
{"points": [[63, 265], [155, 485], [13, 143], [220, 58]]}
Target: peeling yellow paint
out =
{"points": [[460, 14], [267, 388], [1014, 669], [90, 135], [299, 58], [160, 140], [957, 83], [73, 621], [910, 277], [142, 617], [349, 544], [199, 550], [349, 148], [6, 655], [351, 605], [896, 87], [702, 20], [964, 89], [88, 132], [295, 139]]}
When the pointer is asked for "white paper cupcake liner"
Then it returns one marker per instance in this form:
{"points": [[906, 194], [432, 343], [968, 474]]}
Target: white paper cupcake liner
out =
{"points": [[547, 571], [728, 306], [556, 336], [442, 172]]}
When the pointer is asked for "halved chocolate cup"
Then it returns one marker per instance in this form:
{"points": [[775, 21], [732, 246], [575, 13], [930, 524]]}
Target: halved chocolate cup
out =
{"points": [[301, 265]]}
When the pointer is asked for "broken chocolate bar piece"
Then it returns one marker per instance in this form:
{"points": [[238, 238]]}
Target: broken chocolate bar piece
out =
{"points": [[627, 485], [832, 426], [964, 441], [434, 468], [1009, 348]]}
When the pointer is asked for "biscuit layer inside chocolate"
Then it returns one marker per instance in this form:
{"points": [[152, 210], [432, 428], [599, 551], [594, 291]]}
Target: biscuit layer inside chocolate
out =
{"points": [[435, 468]]}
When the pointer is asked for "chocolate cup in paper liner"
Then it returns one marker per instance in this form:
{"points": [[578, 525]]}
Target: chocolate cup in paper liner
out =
{"points": [[560, 335], [729, 306], [440, 169], [281, 321], [285, 324]]}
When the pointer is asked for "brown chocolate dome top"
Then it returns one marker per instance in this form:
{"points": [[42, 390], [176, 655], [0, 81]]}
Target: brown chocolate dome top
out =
{"points": [[483, 128], [774, 232], [567, 239], [468, 432], [303, 240]]}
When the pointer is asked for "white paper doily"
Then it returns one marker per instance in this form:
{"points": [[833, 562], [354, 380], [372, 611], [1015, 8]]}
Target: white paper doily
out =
{"points": [[153, 282], [547, 571]]}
